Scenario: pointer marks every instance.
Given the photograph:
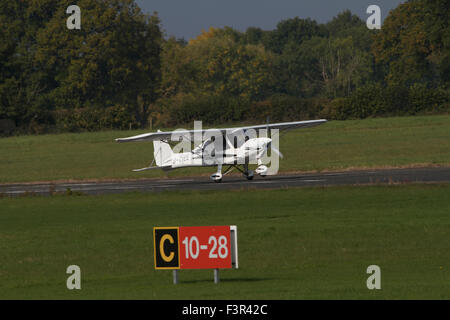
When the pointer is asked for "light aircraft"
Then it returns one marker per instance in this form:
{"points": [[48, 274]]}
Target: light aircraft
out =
{"points": [[236, 147]]}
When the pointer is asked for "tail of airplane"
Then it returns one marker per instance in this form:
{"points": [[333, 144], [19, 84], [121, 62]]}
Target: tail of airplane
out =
{"points": [[162, 152]]}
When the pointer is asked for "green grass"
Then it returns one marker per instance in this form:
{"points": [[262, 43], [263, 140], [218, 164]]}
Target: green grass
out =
{"points": [[306, 243], [336, 145]]}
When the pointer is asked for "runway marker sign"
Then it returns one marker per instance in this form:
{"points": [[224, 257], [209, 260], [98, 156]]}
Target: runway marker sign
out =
{"points": [[206, 247], [166, 248]]}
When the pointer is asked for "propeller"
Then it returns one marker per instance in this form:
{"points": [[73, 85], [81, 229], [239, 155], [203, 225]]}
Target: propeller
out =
{"points": [[278, 152]]}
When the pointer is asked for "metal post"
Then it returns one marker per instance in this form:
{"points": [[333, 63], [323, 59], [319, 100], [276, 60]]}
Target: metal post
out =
{"points": [[216, 276], [175, 276]]}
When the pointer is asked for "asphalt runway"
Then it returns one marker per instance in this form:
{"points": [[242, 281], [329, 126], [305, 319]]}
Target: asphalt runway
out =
{"points": [[360, 177]]}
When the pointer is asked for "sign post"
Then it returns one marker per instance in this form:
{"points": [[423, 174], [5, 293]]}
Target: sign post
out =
{"points": [[216, 276], [207, 247]]}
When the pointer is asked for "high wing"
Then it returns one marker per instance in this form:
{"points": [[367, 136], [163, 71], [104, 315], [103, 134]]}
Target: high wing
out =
{"points": [[161, 135]]}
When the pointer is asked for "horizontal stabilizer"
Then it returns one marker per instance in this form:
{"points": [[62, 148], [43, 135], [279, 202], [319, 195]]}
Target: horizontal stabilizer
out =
{"points": [[149, 168]]}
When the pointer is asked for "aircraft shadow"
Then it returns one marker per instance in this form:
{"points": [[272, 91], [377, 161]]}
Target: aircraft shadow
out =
{"points": [[227, 280]]}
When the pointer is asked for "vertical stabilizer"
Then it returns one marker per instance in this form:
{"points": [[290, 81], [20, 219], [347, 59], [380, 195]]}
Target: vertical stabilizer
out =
{"points": [[162, 153]]}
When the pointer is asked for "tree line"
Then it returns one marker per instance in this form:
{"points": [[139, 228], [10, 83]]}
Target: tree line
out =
{"points": [[119, 71]]}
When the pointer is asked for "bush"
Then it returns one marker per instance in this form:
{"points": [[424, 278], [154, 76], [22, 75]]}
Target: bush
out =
{"points": [[425, 100], [373, 100], [333, 108], [92, 119], [7, 127], [287, 108], [396, 101], [364, 102], [211, 109]]}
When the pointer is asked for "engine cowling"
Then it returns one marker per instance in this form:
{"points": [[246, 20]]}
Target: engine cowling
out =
{"points": [[262, 170]]}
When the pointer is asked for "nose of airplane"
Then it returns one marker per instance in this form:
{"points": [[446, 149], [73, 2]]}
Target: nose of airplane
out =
{"points": [[267, 141]]}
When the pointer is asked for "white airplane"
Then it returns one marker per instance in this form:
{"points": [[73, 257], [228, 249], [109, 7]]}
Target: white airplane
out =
{"points": [[234, 147]]}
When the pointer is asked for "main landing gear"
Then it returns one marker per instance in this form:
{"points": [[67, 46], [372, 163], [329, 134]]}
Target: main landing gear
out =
{"points": [[217, 177]]}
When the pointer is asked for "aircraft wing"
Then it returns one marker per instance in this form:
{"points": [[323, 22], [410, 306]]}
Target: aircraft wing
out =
{"points": [[161, 135], [288, 125]]}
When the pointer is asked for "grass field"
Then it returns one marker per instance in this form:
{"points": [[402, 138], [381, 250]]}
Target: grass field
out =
{"points": [[307, 243], [336, 145]]}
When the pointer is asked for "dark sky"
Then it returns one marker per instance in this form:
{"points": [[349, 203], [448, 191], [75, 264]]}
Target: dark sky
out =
{"points": [[186, 18]]}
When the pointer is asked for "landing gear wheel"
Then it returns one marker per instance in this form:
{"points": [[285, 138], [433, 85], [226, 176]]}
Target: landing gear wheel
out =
{"points": [[249, 175], [218, 180]]}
